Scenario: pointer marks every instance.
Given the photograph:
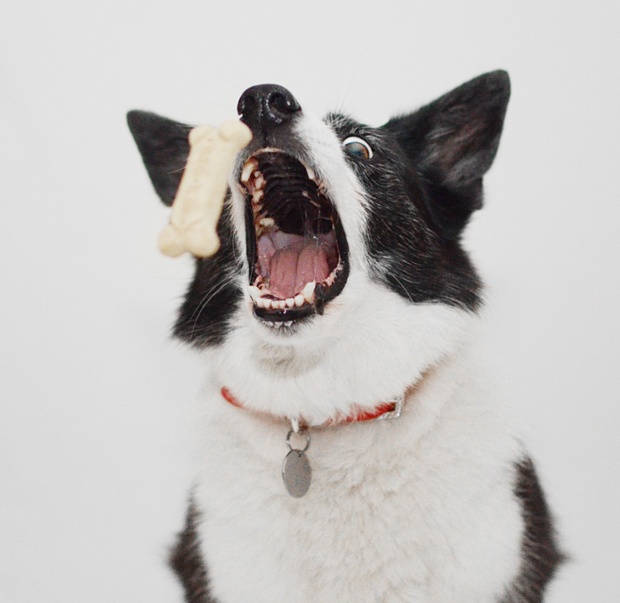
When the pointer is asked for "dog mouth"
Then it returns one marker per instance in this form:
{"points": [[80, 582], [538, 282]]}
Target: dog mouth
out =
{"points": [[297, 249]]}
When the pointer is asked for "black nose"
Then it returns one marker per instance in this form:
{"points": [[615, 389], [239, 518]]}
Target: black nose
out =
{"points": [[266, 107]]}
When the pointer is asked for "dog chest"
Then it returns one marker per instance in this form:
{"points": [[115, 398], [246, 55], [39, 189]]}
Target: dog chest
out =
{"points": [[414, 510]]}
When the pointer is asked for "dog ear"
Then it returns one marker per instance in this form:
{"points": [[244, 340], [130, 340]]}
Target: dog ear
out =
{"points": [[452, 143], [164, 146]]}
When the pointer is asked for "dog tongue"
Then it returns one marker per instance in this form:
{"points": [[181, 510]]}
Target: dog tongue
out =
{"points": [[300, 262]]}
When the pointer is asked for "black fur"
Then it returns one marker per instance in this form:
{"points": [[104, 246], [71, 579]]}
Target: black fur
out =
{"points": [[410, 255], [164, 146], [452, 142], [541, 556], [425, 179], [214, 294], [186, 561]]}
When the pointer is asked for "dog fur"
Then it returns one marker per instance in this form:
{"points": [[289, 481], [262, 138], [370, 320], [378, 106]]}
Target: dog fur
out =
{"points": [[440, 505]]}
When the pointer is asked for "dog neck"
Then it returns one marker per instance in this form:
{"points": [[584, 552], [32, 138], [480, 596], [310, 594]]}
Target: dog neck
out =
{"points": [[387, 410]]}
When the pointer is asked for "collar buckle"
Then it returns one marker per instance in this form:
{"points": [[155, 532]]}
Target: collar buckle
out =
{"points": [[398, 409]]}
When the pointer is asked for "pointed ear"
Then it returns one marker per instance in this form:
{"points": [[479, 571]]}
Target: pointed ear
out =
{"points": [[452, 143], [164, 146]]}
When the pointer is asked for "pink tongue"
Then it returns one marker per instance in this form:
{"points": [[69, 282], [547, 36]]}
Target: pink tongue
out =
{"points": [[295, 265]]}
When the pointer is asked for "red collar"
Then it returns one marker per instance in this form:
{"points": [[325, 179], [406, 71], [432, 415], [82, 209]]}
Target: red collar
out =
{"points": [[385, 410]]}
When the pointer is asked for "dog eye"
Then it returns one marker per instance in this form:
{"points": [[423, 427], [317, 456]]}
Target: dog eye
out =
{"points": [[357, 147]]}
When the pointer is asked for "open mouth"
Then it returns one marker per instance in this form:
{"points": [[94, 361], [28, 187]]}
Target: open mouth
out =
{"points": [[297, 250]]}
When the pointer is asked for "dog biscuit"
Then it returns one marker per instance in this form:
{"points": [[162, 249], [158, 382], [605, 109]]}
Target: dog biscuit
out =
{"points": [[199, 200]]}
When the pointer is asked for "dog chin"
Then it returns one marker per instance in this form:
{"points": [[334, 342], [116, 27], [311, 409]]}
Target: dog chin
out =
{"points": [[300, 338], [353, 333], [342, 356]]}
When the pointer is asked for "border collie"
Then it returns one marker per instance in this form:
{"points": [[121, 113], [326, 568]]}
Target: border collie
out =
{"points": [[349, 450]]}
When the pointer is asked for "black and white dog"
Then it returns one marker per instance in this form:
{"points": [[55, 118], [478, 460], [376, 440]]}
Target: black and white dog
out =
{"points": [[350, 451]]}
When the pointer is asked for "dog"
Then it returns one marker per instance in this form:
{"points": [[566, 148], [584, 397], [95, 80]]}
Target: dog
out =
{"points": [[349, 450]]}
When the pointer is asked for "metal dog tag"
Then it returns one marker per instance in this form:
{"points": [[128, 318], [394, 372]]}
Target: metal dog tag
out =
{"points": [[296, 471]]}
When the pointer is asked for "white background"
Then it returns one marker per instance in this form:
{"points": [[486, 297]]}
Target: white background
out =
{"points": [[95, 398]]}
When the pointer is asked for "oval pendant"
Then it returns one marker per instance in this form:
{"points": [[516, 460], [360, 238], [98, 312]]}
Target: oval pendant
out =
{"points": [[296, 473]]}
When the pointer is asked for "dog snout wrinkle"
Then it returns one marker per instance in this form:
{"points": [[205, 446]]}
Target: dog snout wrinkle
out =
{"points": [[267, 107]]}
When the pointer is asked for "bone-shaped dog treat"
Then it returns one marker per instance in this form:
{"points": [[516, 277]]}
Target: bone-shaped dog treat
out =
{"points": [[199, 200]]}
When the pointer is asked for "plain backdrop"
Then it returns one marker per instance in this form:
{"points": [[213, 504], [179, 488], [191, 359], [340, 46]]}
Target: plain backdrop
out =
{"points": [[95, 408]]}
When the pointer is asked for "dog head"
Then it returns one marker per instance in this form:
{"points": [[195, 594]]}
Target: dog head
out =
{"points": [[331, 225]]}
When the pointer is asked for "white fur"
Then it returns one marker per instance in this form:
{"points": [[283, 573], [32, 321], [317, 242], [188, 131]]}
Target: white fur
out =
{"points": [[419, 509]]}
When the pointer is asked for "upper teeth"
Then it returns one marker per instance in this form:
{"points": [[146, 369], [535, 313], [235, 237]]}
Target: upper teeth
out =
{"points": [[248, 168], [259, 181], [251, 167]]}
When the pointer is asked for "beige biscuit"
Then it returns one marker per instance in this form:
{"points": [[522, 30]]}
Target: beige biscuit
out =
{"points": [[199, 200]]}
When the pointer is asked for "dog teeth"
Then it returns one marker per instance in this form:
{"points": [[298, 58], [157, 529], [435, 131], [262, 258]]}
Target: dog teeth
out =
{"points": [[262, 298], [260, 181], [311, 173], [248, 168], [259, 297], [280, 325], [261, 301], [308, 291], [329, 281], [254, 292]]}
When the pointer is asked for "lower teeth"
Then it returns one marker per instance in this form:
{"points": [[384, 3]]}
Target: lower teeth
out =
{"points": [[261, 300]]}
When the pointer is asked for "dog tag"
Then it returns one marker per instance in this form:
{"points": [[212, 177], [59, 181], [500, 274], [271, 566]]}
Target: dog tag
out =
{"points": [[296, 471]]}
